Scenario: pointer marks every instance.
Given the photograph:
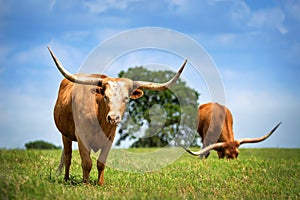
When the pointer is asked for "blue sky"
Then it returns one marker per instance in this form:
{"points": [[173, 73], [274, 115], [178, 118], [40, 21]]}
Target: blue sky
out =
{"points": [[254, 44]]}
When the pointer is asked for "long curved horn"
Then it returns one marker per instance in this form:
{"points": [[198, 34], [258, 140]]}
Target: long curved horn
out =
{"points": [[206, 149], [73, 78], [160, 86], [255, 140]]}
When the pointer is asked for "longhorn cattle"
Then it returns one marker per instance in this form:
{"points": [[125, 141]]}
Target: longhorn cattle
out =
{"points": [[215, 129], [88, 109]]}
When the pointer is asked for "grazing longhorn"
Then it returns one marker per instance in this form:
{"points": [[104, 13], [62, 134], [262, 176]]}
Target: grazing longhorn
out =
{"points": [[215, 129], [88, 109]]}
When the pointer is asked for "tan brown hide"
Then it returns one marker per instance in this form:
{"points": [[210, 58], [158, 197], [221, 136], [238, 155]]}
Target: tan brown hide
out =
{"points": [[215, 127]]}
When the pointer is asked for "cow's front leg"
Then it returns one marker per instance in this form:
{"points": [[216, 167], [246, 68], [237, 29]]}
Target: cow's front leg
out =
{"points": [[101, 162], [86, 161], [101, 167], [204, 155], [221, 154]]}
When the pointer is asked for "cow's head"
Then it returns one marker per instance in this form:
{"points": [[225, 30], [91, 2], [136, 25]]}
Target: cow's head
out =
{"points": [[115, 92], [230, 149]]}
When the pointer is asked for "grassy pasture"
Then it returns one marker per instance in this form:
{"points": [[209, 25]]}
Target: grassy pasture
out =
{"points": [[257, 174]]}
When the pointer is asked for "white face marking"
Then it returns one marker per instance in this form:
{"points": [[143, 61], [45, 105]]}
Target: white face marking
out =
{"points": [[117, 94], [117, 91]]}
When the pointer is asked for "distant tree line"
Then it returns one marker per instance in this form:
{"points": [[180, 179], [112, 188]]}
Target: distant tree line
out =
{"points": [[40, 144]]}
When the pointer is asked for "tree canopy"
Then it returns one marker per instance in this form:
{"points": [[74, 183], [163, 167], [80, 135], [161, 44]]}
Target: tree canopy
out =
{"points": [[40, 144], [159, 118]]}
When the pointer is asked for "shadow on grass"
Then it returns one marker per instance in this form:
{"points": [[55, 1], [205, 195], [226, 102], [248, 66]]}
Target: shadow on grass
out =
{"points": [[73, 181]]}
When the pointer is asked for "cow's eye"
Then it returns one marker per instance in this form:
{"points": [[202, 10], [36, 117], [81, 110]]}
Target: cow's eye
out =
{"points": [[106, 98]]}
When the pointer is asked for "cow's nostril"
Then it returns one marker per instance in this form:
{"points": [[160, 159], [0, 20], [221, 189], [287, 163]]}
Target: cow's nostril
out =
{"points": [[113, 119]]}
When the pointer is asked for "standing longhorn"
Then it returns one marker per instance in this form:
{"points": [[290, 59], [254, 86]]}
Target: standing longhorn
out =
{"points": [[88, 109]]}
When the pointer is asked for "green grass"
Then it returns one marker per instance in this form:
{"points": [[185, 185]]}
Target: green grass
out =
{"points": [[257, 174]]}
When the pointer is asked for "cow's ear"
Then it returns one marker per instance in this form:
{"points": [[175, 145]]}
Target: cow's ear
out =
{"points": [[137, 93]]}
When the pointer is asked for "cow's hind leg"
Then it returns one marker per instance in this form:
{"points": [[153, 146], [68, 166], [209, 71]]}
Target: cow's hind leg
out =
{"points": [[86, 161], [67, 156], [206, 156]]}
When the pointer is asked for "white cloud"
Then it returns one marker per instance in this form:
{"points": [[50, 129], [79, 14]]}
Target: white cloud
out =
{"points": [[70, 56], [4, 8], [292, 8], [76, 35], [269, 18], [178, 2], [219, 40], [177, 6], [237, 10], [100, 6], [226, 38], [240, 10], [240, 13], [106, 33], [52, 4], [4, 52], [32, 55]]}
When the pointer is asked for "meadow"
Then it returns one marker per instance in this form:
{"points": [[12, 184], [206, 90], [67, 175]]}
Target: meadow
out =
{"points": [[256, 174]]}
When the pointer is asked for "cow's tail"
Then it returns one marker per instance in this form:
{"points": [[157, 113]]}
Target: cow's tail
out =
{"points": [[61, 164]]}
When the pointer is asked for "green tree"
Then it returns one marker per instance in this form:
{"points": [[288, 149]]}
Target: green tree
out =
{"points": [[160, 118], [40, 144]]}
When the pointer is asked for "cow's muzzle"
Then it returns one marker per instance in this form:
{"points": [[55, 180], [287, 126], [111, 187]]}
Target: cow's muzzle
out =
{"points": [[113, 119]]}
